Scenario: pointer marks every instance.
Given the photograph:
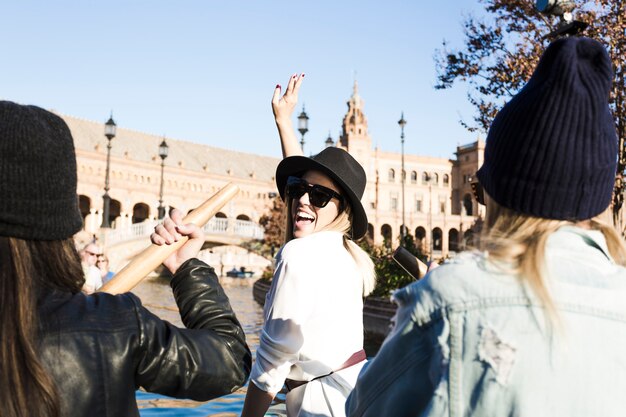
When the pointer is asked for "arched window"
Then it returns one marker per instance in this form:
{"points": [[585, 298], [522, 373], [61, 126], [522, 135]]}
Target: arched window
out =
{"points": [[424, 178], [468, 239], [437, 238], [370, 231], [243, 217], [141, 212], [392, 175], [84, 205], [420, 242], [435, 179], [385, 230], [115, 208], [453, 240], [404, 229], [446, 179], [413, 177], [467, 204], [220, 215]]}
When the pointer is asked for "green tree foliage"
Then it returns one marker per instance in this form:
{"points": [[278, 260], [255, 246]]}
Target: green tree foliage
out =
{"points": [[274, 223], [502, 49]]}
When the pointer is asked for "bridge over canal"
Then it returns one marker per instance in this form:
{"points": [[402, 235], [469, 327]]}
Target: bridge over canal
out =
{"points": [[222, 250]]}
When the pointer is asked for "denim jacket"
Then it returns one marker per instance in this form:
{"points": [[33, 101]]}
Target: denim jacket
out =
{"points": [[473, 340]]}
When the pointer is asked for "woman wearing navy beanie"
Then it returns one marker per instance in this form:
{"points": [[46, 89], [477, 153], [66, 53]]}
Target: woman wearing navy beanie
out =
{"points": [[535, 323]]}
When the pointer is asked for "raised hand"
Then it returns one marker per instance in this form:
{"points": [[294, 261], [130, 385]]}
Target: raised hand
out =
{"points": [[283, 107], [171, 231]]}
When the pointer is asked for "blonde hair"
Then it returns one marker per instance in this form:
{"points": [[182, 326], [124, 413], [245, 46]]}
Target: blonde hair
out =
{"points": [[520, 241], [343, 223]]}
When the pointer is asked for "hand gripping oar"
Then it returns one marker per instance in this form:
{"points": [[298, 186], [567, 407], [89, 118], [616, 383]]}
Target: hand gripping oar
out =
{"points": [[148, 260]]}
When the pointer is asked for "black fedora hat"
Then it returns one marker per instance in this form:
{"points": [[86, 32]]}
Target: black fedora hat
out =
{"points": [[342, 168]]}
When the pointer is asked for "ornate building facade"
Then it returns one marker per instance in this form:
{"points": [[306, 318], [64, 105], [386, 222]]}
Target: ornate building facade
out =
{"points": [[193, 172], [438, 204]]}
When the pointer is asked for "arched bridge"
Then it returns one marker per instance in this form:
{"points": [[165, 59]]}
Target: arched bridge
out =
{"points": [[223, 231]]}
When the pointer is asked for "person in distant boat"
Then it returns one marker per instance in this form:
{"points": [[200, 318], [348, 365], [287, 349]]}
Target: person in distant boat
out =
{"points": [[65, 353]]}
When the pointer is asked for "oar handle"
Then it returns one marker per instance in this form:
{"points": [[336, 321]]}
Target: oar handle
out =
{"points": [[410, 263], [148, 260]]}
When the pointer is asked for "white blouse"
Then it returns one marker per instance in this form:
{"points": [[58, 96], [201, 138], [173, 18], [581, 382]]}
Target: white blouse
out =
{"points": [[313, 323]]}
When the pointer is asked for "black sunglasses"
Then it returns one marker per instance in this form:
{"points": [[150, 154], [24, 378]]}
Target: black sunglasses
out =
{"points": [[478, 191], [319, 196]]}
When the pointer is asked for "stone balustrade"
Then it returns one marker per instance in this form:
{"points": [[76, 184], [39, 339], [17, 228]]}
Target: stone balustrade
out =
{"points": [[241, 229]]}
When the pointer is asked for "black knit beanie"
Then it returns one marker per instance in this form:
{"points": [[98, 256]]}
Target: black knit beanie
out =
{"points": [[551, 152], [37, 175]]}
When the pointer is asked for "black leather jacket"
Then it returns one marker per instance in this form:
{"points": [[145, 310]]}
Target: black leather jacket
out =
{"points": [[100, 348]]}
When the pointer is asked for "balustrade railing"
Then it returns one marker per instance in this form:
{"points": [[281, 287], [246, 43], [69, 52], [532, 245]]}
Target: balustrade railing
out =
{"points": [[216, 226]]}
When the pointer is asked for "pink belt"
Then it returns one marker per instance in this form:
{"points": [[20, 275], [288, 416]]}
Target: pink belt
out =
{"points": [[357, 357]]}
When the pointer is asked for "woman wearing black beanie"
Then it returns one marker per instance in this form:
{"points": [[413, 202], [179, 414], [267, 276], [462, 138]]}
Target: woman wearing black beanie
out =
{"points": [[64, 353], [535, 324]]}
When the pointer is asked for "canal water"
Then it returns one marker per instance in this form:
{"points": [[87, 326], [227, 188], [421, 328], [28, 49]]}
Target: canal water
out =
{"points": [[156, 295]]}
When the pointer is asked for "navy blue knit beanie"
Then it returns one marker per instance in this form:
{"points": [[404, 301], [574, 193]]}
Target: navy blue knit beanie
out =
{"points": [[37, 175], [551, 152]]}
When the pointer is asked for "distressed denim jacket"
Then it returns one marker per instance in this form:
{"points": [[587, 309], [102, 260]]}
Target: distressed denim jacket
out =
{"points": [[473, 340]]}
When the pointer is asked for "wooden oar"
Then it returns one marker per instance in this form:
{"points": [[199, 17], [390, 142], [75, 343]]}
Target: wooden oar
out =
{"points": [[148, 260], [410, 263]]}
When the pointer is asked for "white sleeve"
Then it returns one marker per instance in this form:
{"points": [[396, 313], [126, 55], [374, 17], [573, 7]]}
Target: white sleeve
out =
{"points": [[282, 336], [96, 277]]}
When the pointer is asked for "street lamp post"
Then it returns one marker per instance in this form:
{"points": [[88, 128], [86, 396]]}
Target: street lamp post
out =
{"points": [[163, 151], [461, 242], [329, 141], [109, 131], [430, 214], [402, 123], [303, 126]]}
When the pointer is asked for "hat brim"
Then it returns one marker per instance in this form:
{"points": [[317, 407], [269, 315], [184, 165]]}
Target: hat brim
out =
{"points": [[298, 165]]}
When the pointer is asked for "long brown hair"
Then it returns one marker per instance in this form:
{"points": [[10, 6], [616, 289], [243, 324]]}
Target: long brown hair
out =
{"points": [[28, 269]]}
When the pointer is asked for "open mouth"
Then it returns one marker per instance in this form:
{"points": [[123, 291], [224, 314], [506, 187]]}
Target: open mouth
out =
{"points": [[302, 218]]}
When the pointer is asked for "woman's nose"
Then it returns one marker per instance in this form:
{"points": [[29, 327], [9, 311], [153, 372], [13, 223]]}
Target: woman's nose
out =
{"points": [[304, 200]]}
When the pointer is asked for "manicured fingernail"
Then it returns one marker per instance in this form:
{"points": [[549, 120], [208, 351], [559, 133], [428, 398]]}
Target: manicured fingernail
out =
{"points": [[294, 75], [302, 75], [277, 85]]}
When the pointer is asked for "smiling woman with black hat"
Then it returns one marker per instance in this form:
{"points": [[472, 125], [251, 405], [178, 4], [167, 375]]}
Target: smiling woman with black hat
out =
{"points": [[535, 324], [65, 353], [312, 340]]}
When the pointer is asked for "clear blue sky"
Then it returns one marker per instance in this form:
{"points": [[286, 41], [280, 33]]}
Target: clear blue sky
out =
{"points": [[204, 71]]}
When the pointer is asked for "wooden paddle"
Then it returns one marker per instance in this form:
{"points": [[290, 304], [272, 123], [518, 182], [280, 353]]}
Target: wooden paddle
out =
{"points": [[410, 263], [151, 257]]}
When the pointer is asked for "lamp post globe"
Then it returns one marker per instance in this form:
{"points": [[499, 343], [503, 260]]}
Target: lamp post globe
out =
{"points": [[303, 126], [329, 141], [402, 123], [110, 128], [163, 152]]}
